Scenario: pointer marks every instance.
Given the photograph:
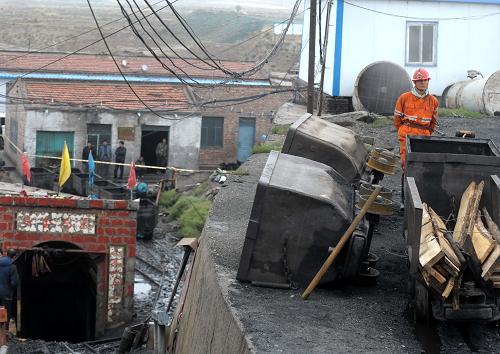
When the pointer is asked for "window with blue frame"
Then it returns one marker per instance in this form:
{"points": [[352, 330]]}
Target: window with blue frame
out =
{"points": [[421, 43]]}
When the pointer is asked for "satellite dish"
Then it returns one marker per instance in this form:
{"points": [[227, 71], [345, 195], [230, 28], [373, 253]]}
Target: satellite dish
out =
{"points": [[124, 62], [144, 67]]}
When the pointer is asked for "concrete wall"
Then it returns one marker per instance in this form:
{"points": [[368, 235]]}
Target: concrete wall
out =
{"points": [[207, 324], [367, 37], [114, 225], [184, 132]]}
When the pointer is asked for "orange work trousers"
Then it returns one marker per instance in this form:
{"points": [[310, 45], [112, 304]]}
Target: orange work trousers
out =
{"points": [[405, 130]]}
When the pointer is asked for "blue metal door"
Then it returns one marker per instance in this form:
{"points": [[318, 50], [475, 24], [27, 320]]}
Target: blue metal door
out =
{"points": [[246, 138]]}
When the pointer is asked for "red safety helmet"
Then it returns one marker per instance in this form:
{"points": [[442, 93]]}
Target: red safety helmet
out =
{"points": [[421, 74]]}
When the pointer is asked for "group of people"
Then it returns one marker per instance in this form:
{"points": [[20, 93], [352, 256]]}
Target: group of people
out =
{"points": [[104, 154]]}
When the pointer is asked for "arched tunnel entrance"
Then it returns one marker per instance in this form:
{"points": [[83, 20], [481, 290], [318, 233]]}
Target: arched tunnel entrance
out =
{"points": [[57, 292]]}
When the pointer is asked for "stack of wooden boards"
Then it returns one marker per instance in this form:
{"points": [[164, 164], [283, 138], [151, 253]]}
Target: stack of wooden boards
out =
{"points": [[443, 253]]}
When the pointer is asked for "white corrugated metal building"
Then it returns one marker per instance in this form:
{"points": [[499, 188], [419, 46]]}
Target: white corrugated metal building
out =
{"points": [[447, 37]]}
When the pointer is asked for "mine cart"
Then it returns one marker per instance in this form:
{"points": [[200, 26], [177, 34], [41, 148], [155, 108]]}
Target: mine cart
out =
{"points": [[301, 209], [336, 146], [460, 279]]}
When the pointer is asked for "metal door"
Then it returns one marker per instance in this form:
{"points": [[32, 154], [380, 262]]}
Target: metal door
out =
{"points": [[246, 138], [51, 144]]}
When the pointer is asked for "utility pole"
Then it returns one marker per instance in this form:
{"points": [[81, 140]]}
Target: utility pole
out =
{"points": [[323, 59], [312, 52]]}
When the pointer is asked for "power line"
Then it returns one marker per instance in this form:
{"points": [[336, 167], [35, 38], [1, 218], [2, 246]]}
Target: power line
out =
{"points": [[235, 74], [474, 17], [74, 52], [210, 103], [73, 37], [117, 65], [136, 32]]}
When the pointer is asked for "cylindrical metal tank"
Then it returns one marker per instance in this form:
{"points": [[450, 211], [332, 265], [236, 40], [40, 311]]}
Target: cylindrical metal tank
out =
{"points": [[477, 95], [378, 87]]}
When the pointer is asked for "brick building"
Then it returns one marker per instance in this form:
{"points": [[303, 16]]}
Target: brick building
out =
{"points": [[82, 98], [75, 261]]}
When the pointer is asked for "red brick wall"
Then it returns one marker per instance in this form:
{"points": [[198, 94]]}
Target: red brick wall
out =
{"points": [[115, 225], [262, 109]]}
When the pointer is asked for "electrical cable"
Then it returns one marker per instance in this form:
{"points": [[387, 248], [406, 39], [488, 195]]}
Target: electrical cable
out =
{"points": [[475, 17], [73, 37], [178, 39], [118, 66], [72, 53], [237, 75], [156, 32], [138, 35]]}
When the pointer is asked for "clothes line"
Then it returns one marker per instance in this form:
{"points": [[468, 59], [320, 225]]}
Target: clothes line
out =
{"points": [[172, 168]]}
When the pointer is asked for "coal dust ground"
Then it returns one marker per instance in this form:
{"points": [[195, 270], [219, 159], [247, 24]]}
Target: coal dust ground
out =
{"points": [[159, 259]]}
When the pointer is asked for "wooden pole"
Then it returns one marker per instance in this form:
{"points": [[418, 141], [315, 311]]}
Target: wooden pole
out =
{"points": [[343, 240], [312, 53]]}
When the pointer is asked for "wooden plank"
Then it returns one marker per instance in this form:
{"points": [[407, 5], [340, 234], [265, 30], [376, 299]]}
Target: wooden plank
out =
{"points": [[449, 287], [482, 242], [466, 203], [494, 277], [450, 267], [475, 208], [441, 270], [492, 227], [436, 275], [443, 242], [490, 263], [430, 250]]}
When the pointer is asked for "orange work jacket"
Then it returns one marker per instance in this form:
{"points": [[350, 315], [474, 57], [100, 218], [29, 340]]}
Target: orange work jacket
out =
{"points": [[414, 116]]}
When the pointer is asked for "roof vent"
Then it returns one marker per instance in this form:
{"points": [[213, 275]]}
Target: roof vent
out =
{"points": [[144, 67], [124, 63]]}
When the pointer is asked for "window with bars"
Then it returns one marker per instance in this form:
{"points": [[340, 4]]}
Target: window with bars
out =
{"points": [[212, 132], [421, 43]]}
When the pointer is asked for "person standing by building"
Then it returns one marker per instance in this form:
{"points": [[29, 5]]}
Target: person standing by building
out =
{"points": [[8, 282], [416, 113], [120, 153], [162, 153], [104, 154], [85, 155]]}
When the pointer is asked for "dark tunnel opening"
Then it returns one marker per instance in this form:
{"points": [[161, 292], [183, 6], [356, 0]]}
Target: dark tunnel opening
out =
{"points": [[57, 293]]}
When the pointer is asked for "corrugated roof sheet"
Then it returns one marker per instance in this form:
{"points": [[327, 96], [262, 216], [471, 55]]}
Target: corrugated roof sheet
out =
{"points": [[115, 96], [103, 64]]}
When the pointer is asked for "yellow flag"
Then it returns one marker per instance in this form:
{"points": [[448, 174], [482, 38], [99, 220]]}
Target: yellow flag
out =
{"points": [[65, 170]]}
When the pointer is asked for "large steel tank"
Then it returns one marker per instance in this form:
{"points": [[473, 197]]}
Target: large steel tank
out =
{"points": [[338, 147], [477, 95], [378, 87], [301, 209]]}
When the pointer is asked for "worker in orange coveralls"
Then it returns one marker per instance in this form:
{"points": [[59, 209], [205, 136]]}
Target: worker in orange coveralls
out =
{"points": [[415, 114], [416, 111]]}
